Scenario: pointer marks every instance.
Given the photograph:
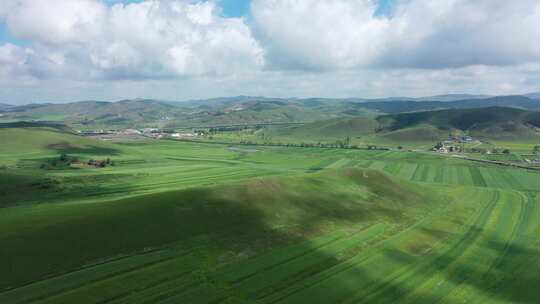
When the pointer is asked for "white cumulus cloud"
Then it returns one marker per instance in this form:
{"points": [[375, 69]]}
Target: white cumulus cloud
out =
{"points": [[178, 49], [56, 21], [458, 33], [320, 34], [151, 39]]}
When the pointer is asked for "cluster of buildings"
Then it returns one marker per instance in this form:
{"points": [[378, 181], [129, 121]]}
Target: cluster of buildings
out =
{"points": [[448, 147], [461, 139], [138, 133], [185, 135], [453, 144]]}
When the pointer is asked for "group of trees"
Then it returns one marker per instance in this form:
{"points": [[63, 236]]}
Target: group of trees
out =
{"points": [[65, 160], [338, 144], [61, 161], [215, 130], [493, 151], [499, 151], [101, 163]]}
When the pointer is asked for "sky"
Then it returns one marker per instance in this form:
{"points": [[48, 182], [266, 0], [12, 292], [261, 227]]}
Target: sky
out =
{"points": [[194, 49]]}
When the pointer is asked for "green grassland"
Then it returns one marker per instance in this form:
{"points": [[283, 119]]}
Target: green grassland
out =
{"points": [[184, 222], [333, 128], [419, 137]]}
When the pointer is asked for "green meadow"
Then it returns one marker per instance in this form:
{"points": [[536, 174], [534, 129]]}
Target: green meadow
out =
{"points": [[187, 222]]}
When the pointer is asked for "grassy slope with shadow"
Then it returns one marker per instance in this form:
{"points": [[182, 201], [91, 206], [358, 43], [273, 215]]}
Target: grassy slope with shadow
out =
{"points": [[333, 128], [493, 122], [497, 123], [22, 141], [276, 209]]}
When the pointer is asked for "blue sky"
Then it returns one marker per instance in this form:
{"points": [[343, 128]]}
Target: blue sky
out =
{"points": [[5, 36], [235, 8], [385, 6]]}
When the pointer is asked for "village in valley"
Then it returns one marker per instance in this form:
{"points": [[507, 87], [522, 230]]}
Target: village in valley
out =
{"points": [[454, 144], [154, 133], [467, 145]]}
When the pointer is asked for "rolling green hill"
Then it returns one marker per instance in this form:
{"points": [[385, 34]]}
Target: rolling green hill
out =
{"points": [[333, 128], [42, 139], [143, 113], [37, 124], [493, 122], [242, 110], [416, 133], [97, 113], [306, 205], [400, 106], [256, 111]]}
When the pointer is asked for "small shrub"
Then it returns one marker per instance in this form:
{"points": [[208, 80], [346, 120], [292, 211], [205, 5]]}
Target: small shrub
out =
{"points": [[63, 157]]}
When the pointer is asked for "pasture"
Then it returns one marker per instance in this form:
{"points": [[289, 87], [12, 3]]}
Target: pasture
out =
{"points": [[179, 222]]}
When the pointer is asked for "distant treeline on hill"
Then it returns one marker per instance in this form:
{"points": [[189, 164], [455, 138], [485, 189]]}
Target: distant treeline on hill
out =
{"points": [[35, 124], [339, 144]]}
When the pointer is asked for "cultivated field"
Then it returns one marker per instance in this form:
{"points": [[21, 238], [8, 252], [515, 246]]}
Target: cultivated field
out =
{"points": [[179, 222]]}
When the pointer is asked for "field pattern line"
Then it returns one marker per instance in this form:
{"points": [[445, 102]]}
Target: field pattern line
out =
{"points": [[466, 240]]}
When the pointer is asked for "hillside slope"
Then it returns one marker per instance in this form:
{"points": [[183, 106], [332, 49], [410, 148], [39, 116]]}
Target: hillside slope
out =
{"points": [[333, 128], [4, 106], [427, 126], [492, 122], [95, 113], [351, 235], [399, 106], [243, 110], [29, 139], [215, 112], [303, 206]]}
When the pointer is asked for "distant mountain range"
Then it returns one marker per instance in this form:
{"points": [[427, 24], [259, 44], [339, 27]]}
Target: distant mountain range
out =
{"points": [[399, 106], [533, 95], [226, 100], [4, 106], [141, 113], [447, 97], [245, 110], [96, 113]]}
